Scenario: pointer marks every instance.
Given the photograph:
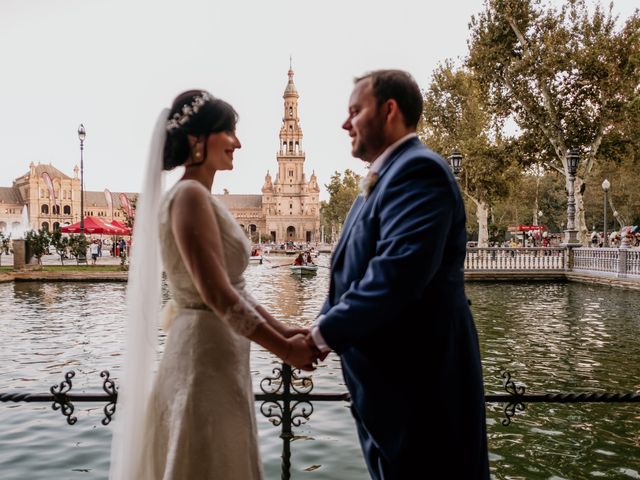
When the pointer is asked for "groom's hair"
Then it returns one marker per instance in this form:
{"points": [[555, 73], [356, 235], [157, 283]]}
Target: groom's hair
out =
{"points": [[399, 86]]}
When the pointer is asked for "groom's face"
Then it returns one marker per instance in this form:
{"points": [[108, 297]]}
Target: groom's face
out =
{"points": [[365, 123]]}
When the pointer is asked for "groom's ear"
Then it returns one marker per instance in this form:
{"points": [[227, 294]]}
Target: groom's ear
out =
{"points": [[392, 112]]}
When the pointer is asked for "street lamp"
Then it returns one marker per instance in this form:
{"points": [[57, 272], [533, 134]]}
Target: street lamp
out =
{"points": [[570, 234], [455, 160], [605, 186], [81, 135]]}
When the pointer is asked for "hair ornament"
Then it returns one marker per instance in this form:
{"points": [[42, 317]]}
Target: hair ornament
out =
{"points": [[181, 118]]}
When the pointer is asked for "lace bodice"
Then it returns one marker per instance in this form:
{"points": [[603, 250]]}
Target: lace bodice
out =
{"points": [[236, 255]]}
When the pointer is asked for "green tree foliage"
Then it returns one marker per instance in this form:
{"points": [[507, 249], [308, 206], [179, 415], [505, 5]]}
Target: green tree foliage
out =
{"points": [[61, 244], [568, 77], [536, 190], [623, 198], [38, 243], [343, 190], [130, 220], [78, 245], [456, 116]]}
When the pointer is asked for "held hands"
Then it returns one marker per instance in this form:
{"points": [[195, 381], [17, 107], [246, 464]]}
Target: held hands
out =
{"points": [[301, 354], [321, 355], [289, 332]]}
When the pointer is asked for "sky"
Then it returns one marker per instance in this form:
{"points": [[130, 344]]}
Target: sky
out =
{"points": [[112, 65]]}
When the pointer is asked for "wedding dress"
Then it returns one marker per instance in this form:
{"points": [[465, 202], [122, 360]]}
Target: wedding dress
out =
{"points": [[200, 421]]}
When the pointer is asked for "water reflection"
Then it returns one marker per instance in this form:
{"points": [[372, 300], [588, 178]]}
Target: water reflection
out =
{"points": [[562, 337]]}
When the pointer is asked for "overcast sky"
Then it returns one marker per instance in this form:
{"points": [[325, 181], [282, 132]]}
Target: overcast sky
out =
{"points": [[114, 64]]}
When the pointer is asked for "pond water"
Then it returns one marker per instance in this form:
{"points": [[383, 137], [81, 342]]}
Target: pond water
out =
{"points": [[550, 336]]}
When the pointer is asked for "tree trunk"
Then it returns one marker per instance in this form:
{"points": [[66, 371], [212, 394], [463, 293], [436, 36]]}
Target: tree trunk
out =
{"points": [[581, 224], [482, 212]]}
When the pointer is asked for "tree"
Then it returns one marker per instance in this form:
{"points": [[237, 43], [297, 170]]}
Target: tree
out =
{"points": [[78, 245], [343, 190], [4, 245], [568, 78], [456, 117], [61, 244], [130, 219], [38, 243]]}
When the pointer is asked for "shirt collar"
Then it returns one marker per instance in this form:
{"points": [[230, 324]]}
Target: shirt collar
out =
{"points": [[379, 162]]}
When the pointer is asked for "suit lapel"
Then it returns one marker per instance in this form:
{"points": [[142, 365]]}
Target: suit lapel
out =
{"points": [[346, 230], [360, 202]]}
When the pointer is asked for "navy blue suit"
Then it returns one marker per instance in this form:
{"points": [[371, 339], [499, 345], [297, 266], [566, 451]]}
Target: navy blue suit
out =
{"points": [[398, 317]]}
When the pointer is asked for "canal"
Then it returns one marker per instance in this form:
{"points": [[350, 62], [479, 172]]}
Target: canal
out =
{"points": [[551, 337]]}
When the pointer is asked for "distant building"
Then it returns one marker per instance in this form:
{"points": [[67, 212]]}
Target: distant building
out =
{"points": [[287, 210], [289, 207], [51, 212]]}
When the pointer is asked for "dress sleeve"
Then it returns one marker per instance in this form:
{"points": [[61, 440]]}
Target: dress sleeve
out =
{"points": [[251, 300], [242, 317]]}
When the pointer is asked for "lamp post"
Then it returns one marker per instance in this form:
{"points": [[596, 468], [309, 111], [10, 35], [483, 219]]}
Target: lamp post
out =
{"points": [[605, 186], [570, 234], [455, 160], [81, 135]]}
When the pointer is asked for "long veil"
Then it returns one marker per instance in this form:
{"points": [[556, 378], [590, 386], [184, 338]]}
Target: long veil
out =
{"points": [[143, 308]]}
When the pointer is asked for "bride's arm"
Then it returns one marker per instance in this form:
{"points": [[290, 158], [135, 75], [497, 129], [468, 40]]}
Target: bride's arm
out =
{"points": [[199, 243]]}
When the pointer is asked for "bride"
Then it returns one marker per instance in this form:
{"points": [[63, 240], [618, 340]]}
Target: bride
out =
{"points": [[195, 418]]}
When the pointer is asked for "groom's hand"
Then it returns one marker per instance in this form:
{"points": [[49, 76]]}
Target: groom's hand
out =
{"points": [[301, 355], [320, 356]]}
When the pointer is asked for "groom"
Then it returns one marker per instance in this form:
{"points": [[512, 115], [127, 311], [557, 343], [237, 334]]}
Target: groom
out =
{"points": [[396, 312]]}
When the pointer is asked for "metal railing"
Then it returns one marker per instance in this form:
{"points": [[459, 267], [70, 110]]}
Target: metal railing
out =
{"points": [[287, 401]]}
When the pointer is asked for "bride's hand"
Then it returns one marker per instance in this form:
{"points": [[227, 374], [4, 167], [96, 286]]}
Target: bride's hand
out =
{"points": [[301, 355], [289, 332]]}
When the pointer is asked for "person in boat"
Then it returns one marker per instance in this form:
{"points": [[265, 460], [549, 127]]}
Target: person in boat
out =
{"points": [[299, 260], [308, 259]]}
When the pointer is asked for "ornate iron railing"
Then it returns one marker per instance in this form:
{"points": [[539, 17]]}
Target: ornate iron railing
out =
{"points": [[287, 401]]}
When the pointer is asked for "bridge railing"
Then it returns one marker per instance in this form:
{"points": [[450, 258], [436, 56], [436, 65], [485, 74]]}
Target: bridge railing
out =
{"points": [[617, 262], [499, 258]]}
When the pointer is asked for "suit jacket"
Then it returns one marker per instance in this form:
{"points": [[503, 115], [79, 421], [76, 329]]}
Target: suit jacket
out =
{"points": [[398, 317]]}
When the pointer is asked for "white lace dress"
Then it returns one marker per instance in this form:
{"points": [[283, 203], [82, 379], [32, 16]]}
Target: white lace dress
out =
{"points": [[201, 417]]}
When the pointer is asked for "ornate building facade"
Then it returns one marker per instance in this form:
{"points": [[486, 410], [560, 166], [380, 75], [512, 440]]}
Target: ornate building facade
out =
{"points": [[287, 210], [53, 199]]}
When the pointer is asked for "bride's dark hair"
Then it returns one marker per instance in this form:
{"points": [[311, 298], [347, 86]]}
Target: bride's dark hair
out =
{"points": [[213, 116]]}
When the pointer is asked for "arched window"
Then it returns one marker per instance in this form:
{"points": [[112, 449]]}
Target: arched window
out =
{"points": [[3, 226], [56, 209], [66, 210], [56, 226], [44, 208], [45, 226]]}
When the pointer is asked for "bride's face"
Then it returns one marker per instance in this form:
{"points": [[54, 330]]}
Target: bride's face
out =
{"points": [[220, 148]]}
